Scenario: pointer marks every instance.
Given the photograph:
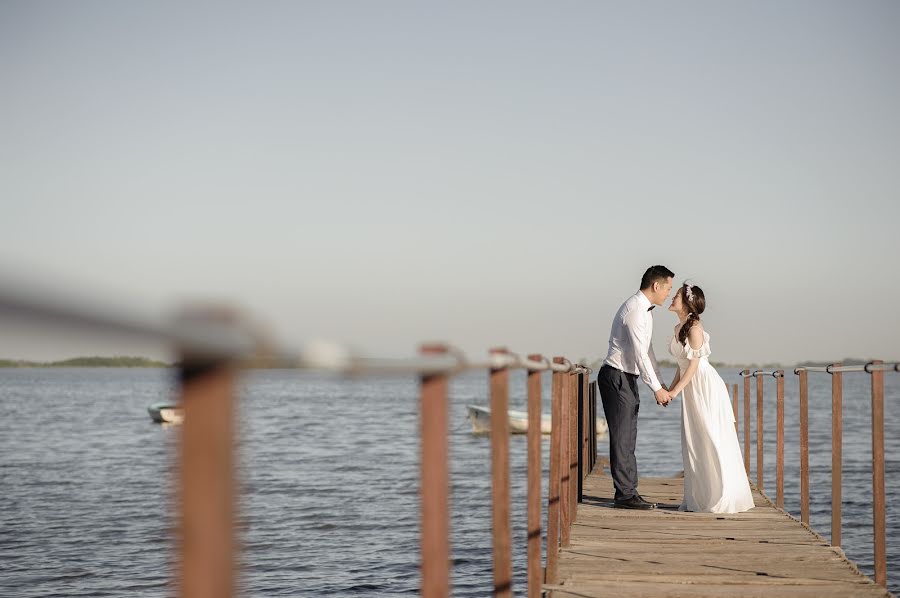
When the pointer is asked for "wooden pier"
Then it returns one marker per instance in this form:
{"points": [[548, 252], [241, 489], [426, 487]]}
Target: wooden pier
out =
{"points": [[667, 553]]}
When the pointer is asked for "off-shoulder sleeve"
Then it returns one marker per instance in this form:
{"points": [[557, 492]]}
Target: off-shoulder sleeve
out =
{"points": [[703, 351]]}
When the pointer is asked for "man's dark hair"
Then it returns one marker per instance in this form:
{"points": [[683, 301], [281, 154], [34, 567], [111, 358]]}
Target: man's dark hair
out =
{"points": [[655, 274]]}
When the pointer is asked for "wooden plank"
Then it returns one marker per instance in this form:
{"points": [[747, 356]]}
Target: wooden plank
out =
{"points": [[642, 589], [669, 553]]}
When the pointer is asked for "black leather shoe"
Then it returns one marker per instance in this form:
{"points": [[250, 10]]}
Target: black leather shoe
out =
{"points": [[652, 504], [633, 502]]}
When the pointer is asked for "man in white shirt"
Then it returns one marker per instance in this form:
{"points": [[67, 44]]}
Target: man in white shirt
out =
{"points": [[631, 355]]}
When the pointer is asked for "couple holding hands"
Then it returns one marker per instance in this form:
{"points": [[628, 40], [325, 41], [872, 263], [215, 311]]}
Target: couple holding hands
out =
{"points": [[714, 476]]}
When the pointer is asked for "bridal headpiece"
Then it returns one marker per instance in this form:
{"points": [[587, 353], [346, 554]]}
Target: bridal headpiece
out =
{"points": [[688, 292]]}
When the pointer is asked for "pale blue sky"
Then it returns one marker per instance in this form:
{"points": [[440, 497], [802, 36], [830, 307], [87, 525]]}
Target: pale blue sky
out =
{"points": [[383, 173]]}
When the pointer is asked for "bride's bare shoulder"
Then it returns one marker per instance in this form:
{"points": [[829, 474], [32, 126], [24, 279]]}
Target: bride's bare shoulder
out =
{"points": [[695, 335]]}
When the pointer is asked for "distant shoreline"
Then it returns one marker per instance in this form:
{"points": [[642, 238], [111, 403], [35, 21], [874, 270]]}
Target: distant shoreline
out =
{"points": [[87, 362]]}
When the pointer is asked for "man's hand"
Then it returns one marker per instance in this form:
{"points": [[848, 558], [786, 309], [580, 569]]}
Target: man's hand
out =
{"points": [[663, 397]]}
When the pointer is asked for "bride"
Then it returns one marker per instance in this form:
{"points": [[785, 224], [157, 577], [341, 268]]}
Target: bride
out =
{"points": [[714, 476]]}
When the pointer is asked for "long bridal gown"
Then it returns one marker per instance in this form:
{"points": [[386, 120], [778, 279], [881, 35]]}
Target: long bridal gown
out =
{"points": [[714, 476]]}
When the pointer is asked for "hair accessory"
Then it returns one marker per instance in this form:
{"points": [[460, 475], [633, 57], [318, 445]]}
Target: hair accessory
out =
{"points": [[688, 293]]}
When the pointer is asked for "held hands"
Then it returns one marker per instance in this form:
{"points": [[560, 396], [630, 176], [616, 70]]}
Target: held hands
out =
{"points": [[663, 397]]}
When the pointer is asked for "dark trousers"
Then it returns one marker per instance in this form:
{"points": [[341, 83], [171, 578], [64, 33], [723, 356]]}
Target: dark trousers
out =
{"points": [[619, 393]]}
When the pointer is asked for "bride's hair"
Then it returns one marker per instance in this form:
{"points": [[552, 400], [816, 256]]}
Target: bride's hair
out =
{"points": [[694, 301]]}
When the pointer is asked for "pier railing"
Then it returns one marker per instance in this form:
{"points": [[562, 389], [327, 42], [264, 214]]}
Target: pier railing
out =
{"points": [[876, 370], [214, 343], [572, 457]]}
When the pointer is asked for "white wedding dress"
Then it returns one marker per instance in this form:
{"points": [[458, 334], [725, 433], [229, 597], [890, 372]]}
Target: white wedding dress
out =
{"points": [[714, 477]]}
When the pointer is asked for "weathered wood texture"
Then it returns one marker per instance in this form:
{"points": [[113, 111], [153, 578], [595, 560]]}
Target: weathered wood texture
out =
{"points": [[667, 553]]}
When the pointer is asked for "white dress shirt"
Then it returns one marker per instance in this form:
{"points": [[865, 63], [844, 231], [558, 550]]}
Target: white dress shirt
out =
{"points": [[630, 347]]}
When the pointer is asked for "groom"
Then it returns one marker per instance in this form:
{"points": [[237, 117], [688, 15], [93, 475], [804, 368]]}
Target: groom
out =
{"points": [[631, 354]]}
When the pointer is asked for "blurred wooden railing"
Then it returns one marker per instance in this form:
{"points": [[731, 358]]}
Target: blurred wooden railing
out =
{"points": [[214, 343], [572, 456]]}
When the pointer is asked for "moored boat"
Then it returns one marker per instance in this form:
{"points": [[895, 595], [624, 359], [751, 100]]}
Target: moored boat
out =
{"points": [[518, 421], [166, 413]]}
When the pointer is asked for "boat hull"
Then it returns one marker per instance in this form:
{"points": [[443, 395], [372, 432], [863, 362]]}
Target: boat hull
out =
{"points": [[166, 413], [480, 417]]}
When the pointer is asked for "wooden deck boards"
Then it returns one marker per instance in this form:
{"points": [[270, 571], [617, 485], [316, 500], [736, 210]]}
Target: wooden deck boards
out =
{"points": [[761, 553]]}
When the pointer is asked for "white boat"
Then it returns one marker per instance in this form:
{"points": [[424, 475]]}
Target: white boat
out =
{"points": [[518, 421], [166, 413]]}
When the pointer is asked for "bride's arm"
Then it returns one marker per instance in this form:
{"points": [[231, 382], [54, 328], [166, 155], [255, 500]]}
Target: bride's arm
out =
{"points": [[691, 369], [695, 338], [675, 380]]}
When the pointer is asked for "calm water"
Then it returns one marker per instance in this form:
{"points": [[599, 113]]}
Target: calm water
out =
{"points": [[329, 473]]}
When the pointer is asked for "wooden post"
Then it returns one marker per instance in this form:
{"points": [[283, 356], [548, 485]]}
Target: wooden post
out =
{"points": [[593, 388], [534, 480], [746, 375], [760, 424], [595, 451], [734, 402], [565, 485], [580, 469], [592, 422], [878, 498], [588, 423], [837, 440], [206, 482], [573, 449], [779, 457], [502, 541], [435, 482], [804, 447], [565, 503], [553, 490]]}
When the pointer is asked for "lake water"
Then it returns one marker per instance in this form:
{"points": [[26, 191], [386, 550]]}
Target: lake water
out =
{"points": [[329, 474]]}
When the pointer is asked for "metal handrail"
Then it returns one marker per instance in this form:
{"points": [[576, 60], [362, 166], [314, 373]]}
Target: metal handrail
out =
{"points": [[748, 374], [828, 369], [868, 368]]}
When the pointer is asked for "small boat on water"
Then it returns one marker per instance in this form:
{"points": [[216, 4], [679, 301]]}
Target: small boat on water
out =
{"points": [[518, 421], [166, 413]]}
